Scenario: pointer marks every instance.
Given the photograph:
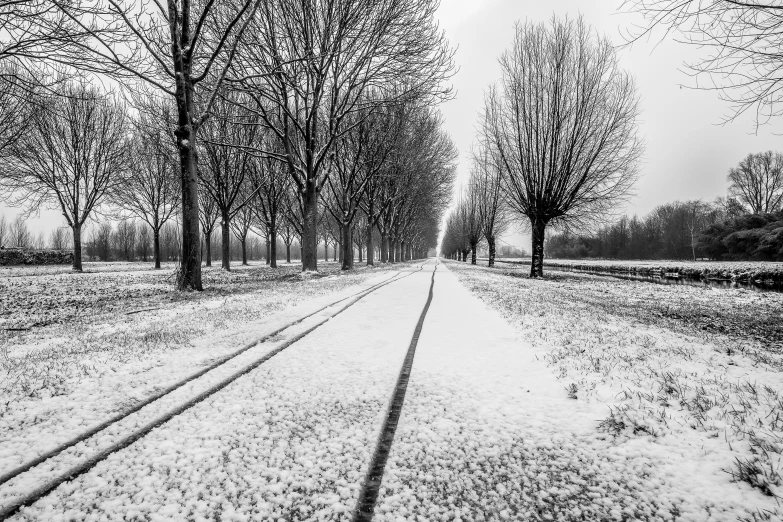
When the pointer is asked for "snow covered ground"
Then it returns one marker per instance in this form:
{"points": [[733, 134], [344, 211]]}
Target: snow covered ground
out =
{"points": [[92, 360], [677, 420], [288, 441], [570, 398]]}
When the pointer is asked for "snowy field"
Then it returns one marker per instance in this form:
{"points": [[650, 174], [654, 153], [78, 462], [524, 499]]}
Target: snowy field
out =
{"points": [[75, 349], [571, 398], [761, 271], [685, 383]]}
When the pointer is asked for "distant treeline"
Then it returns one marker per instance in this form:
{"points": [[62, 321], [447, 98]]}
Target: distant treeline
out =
{"points": [[680, 230]]}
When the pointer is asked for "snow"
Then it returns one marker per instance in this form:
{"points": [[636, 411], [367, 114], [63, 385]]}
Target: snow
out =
{"points": [[58, 381], [490, 428], [287, 441], [661, 461]]}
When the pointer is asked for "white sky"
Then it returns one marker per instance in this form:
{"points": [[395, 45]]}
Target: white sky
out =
{"points": [[688, 152]]}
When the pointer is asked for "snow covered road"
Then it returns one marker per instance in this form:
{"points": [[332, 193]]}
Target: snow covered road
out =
{"points": [[288, 441]]}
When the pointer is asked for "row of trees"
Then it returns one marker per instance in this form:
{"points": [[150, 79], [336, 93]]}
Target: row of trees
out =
{"points": [[557, 142], [325, 103]]}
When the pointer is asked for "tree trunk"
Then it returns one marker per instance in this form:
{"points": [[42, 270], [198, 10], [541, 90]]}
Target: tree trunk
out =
{"points": [[156, 247], [310, 227], [189, 276], [491, 243], [537, 261], [384, 248], [244, 251], [208, 246], [473, 254], [268, 248], [370, 246], [273, 248], [77, 248], [360, 253], [288, 252], [226, 246], [346, 246]]}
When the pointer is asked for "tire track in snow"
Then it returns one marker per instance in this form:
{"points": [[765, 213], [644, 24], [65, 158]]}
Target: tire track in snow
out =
{"points": [[368, 496], [13, 507]]}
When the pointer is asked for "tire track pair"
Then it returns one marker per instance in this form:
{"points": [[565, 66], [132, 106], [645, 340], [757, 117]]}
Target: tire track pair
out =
{"points": [[13, 507]]}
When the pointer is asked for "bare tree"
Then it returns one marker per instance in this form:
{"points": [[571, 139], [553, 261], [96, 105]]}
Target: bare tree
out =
{"points": [[240, 226], [308, 65], [757, 182], [183, 49], [100, 243], [487, 180], [125, 239], [228, 141], [27, 24], [150, 187], [15, 105], [564, 125], [71, 157], [3, 230], [208, 216], [58, 239], [20, 236], [144, 237], [743, 44], [470, 209], [270, 180]]}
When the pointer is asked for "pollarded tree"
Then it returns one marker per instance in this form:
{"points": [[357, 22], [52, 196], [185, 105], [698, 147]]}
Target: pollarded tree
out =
{"points": [[71, 157], [757, 182], [486, 178], [470, 207], [564, 124]]}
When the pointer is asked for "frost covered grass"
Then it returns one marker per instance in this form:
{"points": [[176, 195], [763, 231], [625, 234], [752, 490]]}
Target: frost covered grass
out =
{"points": [[690, 370], [79, 356]]}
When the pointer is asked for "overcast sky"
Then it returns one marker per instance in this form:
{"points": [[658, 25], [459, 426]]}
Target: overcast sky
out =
{"points": [[688, 153]]}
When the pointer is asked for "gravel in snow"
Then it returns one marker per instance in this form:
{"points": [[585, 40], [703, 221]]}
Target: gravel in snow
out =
{"points": [[289, 441]]}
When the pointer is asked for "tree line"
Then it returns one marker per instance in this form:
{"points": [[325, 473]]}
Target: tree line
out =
{"points": [[293, 121], [746, 225]]}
